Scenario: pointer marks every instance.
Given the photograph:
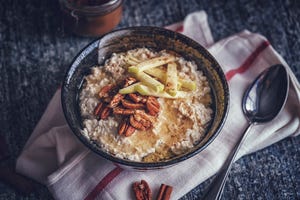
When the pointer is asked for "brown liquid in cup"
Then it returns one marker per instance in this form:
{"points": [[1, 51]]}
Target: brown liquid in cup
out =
{"points": [[91, 17]]}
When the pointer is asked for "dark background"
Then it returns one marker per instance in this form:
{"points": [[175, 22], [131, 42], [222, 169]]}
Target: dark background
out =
{"points": [[35, 52]]}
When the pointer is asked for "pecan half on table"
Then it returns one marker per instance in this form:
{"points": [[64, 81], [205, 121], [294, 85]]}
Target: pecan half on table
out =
{"points": [[164, 192], [142, 190]]}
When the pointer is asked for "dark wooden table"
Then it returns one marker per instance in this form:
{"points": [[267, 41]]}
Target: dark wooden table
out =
{"points": [[35, 53]]}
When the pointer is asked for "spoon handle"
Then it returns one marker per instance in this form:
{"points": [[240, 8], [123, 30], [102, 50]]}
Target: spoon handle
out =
{"points": [[216, 188]]}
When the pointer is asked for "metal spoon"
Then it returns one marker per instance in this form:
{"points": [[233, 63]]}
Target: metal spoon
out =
{"points": [[261, 103]]}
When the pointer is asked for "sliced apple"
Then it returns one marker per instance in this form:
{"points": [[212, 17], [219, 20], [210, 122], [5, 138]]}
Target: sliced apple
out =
{"points": [[158, 73], [147, 91], [131, 60], [149, 81], [171, 79], [188, 84], [129, 89], [154, 62]]}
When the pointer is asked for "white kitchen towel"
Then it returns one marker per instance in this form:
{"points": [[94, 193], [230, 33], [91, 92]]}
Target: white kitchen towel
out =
{"points": [[54, 156]]}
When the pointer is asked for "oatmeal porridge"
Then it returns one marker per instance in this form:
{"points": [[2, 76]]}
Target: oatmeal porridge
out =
{"points": [[146, 106]]}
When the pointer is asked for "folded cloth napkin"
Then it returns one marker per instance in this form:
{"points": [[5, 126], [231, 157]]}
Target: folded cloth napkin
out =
{"points": [[54, 156]]}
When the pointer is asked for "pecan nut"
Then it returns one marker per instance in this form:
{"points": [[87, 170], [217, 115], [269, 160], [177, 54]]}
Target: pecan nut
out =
{"points": [[98, 108], [140, 120], [137, 98], [105, 112], [133, 107], [116, 100], [152, 106], [130, 130], [142, 190], [102, 111], [130, 105], [104, 92], [129, 81], [123, 111], [141, 115], [164, 192], [125, 128], [136, 124]]}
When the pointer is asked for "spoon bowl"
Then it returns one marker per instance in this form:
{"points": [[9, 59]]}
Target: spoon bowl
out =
{"points": [[265, 97], [261, 103]]}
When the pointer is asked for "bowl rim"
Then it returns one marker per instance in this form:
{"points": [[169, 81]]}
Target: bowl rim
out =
{"points": [[134, 164]]}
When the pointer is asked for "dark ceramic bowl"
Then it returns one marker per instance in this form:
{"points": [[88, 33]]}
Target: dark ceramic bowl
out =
{"points": [[157, 39]]}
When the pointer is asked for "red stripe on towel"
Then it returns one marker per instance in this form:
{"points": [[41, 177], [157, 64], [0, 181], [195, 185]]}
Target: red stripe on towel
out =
{"points": [[179, 29], [246, 65], [103, 183]]}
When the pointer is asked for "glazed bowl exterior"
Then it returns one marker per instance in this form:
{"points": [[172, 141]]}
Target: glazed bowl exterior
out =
{"points": [[157, 39]]}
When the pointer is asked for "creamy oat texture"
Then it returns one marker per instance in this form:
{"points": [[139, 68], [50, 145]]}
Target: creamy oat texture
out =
{"points": [[180, 125]]}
